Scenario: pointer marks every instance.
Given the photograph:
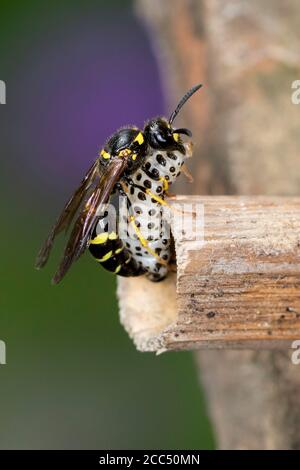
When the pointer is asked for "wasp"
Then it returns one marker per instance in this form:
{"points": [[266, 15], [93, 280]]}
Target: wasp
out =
{"points": [[140, 165]]}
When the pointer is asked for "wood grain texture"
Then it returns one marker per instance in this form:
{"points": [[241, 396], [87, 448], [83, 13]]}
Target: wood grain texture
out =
{"points": [[237, 288], [247, 142]]}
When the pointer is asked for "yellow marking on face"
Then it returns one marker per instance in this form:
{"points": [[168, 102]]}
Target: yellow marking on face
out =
{"points": [[113, 236], [119, 250], [101, 238], [134, 156], [118, 269], [124, 153], [165, 183], [105, 154], [176, 136], [105, 257], [144, 242], [139, 138], [128, 259]]}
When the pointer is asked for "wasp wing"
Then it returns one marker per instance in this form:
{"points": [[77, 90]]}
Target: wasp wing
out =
{"points": [[64, 220], [88, 218]]}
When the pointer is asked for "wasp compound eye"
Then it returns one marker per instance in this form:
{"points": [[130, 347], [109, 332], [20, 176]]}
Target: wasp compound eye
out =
{"points": [[161, 138]]}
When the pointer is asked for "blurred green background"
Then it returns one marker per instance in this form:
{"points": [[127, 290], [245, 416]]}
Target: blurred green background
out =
{"points": [[75, 71]]}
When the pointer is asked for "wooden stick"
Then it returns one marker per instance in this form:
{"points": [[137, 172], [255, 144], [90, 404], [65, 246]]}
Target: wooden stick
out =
{"points": [[246, 138], [237, 288]]}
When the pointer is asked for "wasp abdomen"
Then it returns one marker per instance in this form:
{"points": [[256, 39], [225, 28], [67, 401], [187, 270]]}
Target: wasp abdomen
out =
{"points": [[111, 252]]}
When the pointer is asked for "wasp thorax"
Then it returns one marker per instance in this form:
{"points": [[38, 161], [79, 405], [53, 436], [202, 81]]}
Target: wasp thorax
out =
{"points": [[127, 143], [124, 153]]}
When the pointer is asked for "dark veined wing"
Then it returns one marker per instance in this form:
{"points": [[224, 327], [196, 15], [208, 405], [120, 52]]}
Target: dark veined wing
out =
{"points": [[88, 218], [65, 219]]}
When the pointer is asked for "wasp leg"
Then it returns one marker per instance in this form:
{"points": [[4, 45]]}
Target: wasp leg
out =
{"points": [[166, 185], [156, 198], [144, 242], [187, 173], [188, 149], [165, 203], [124, 188]]}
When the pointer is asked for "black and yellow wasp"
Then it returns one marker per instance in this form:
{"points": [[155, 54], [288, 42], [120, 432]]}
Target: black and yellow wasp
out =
{"points": [[140, 166]]}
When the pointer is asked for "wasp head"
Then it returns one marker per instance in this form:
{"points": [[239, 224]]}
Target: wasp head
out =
{"points": [[161, 135]]}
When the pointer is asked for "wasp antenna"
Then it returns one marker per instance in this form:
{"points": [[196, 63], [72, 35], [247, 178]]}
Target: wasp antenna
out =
{"points": [[183, 101]]}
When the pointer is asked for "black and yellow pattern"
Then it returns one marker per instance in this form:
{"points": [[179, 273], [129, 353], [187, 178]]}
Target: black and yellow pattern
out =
{"points": [[111, 252], [140, 165]]}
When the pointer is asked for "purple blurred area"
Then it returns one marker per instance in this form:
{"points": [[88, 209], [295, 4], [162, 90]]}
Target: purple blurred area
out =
{"points": [[75, 72], [79, 84]]}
